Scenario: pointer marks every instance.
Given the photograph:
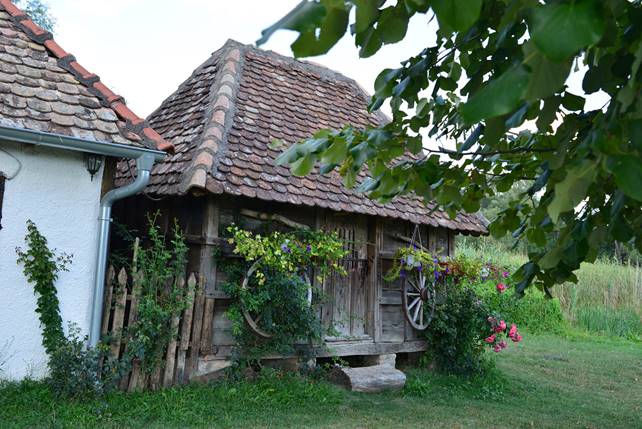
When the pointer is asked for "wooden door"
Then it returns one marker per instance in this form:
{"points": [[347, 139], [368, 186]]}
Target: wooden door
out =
{"points": [[345, 308]]}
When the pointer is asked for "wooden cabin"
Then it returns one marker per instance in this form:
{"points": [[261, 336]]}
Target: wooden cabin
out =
{"points": [[221, 121]]}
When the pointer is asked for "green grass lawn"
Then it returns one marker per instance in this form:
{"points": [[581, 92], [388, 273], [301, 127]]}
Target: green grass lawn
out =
{"points": [[544, 382]]}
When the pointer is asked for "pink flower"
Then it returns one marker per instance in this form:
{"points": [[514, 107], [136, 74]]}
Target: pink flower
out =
{"points": [[502, 344], [490, 339], [501, 287], [516, 338], [501, 327], [506, 274], [512, 331], [497, 348]]}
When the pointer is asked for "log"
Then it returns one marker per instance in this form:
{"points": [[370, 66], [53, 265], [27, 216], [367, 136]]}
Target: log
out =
{"points": [[369, 379]]}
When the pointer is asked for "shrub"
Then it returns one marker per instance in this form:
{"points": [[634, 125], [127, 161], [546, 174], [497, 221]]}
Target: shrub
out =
{"points": [[456, 334], [76, 371], [533, 311]]}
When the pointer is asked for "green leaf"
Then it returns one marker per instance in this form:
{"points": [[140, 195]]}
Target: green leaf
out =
{"points": [[498, 97], [393, 24], [628, 174], [304, 17], [336, 153], [547, 77], [572, 190], [367, 12], [560, 29], [332, 27], [573, 102], [303, 166], [459, 15]]}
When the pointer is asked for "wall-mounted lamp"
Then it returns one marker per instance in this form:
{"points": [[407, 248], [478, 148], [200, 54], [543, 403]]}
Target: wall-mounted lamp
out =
{"points": [[93, 163]]}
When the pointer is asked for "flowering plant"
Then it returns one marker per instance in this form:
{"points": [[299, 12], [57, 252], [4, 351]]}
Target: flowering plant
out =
{"points": [[415, 260], [289, 252], [499, 334]]}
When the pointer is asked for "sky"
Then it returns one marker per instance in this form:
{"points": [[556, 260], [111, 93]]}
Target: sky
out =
{"points": [[144, 49]]}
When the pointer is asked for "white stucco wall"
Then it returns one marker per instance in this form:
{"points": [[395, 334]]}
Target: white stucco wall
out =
{"points": [[54, 190]]}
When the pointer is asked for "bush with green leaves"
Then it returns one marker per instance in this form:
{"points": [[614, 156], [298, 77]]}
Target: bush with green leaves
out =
{"points": [[78, 371], [534, 311], [456, 334]]}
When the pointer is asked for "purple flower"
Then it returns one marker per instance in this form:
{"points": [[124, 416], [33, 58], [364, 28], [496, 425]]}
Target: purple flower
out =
{"points": [[402, 273], [308, 248], [420, 267], [437, 275], [285, 248], [506, 274]]}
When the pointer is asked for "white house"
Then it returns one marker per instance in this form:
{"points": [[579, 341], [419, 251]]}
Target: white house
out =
{"points": [[61, 132]]}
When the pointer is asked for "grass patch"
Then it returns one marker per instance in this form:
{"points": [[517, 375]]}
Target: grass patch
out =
{"points": [[606, 299], [546, 381]]}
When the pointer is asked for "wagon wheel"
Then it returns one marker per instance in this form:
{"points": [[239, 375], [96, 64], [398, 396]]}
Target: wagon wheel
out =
{"points": [[418, 295], [253, 320]]}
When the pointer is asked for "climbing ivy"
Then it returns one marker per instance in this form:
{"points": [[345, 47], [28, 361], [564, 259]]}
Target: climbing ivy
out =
{"points": [[41, 268]]}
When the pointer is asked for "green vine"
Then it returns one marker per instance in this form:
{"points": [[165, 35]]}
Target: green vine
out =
{"points": [[160, 265], [277, 291], [41, 268]]}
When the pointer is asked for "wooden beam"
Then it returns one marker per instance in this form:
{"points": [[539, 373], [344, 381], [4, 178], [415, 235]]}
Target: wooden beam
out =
{"points": [[273, 216]]}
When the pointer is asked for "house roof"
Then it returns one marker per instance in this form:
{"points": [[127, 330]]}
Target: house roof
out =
{"points": [[222, 119], [43, 88]]}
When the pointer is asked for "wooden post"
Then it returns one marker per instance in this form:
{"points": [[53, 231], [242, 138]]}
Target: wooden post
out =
{"points": [[207, 268], [375, 281]]}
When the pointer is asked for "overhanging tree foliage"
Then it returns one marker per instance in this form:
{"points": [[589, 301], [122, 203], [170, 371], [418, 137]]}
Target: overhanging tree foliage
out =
{"points": [[495, 83]]}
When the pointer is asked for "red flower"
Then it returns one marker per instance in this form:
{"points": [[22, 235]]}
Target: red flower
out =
{"points": [[501, 327], [502, 344], [516, 338], [490, 339], [497, 348], [501, 287], [513, 330]]}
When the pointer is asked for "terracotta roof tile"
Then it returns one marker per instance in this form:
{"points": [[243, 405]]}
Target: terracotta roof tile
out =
{"points": [[222, 119], [46, 89]]}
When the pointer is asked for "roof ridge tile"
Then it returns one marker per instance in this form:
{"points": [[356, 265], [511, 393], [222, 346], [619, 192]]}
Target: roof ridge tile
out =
{"points": [[90, 80], [222, 94]]}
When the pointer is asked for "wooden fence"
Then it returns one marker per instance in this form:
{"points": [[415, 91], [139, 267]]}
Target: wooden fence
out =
{"points": [[191, 326]]}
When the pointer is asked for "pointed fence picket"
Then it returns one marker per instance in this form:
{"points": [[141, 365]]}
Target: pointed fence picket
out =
{"points": [[190, 327]]}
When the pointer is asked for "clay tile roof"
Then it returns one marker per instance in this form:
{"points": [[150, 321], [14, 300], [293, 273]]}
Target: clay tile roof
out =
{"points": [[222, 119], [44, 88]]}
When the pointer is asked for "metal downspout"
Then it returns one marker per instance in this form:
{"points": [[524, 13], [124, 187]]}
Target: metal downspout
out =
{"points": [[143, 167]]}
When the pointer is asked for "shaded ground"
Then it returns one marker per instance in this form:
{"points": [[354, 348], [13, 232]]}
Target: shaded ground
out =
{"points": [[545, 382]]}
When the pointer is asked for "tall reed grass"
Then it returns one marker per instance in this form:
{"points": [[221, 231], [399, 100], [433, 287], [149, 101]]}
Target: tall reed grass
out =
{"points": [[607, 297]]}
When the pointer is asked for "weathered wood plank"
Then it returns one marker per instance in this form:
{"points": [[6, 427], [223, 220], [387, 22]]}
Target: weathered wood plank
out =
{"points": [[186, 329], [170, 356], [119, 314], [197, 326], [208, 321]]}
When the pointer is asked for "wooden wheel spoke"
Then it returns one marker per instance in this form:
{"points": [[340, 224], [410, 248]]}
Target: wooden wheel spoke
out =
{"points": [[414, 302], [419, 307]]}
